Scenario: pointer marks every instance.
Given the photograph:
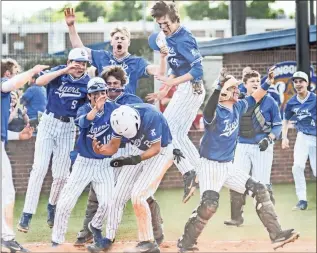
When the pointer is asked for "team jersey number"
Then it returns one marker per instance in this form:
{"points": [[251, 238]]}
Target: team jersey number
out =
{"points": [[74, 104], [106, 139]]}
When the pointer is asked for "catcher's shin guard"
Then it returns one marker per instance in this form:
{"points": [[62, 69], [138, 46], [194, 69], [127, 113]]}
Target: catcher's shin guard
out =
{"points": [[157, 221], [237, 202], [270, 190], [198, 220], [265, 209], [91, 209]]}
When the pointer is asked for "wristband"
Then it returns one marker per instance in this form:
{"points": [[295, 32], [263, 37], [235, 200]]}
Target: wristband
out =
{"points": [[265, 86]]}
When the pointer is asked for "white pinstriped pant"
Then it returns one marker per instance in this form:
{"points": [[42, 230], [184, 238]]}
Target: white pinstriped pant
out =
{"points": [[213, 175], [57, 137], [8, 194], [249, 158], [138, 183], [305, 146], [180, 113], [85, 170]]}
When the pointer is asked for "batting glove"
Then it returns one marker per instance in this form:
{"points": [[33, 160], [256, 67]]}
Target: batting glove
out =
{"points": [[121, 161], [264, 143], [178, 155]]}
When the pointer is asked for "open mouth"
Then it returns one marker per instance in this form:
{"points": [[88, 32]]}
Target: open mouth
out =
{"points": [[119, 47]]}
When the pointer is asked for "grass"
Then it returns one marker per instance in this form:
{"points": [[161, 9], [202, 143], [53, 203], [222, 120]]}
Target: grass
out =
{"points": [[175, 215]]}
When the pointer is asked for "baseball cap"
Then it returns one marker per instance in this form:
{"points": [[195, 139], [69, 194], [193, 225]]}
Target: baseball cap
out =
{"points": [[301, 75], [78, 54], [157, 41]]}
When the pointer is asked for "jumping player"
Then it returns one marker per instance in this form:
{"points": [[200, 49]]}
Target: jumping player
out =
{"points": [[66, 89], [217, 153], [135, 67], [148, 131], [10, 81], [301, 107], [259, 127], [184, 60], [115, 78], [93, 121]]}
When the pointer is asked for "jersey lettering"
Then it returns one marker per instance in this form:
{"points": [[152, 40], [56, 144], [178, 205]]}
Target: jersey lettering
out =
{"points": [[230, 127]]}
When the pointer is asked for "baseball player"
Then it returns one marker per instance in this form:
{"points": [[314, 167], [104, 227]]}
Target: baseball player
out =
{"points": [[66, 92], [147, 129], [184, 60], [116, 78], [302, 108], [259, 127], [93, 121], [135, 67], [10, 81], [217, 153]]}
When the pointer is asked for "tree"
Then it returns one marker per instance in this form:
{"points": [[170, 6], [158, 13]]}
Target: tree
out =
{"points": [[125, 11], [92, 10], [200, 10], [261, 9]]}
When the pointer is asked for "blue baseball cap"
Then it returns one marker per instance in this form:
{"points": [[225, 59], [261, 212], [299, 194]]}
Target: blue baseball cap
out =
{"points": [[157, 41]]}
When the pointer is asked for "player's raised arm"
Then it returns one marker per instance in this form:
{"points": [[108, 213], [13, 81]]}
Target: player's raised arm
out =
{"points": [[19, 80], [75, 40], [261, 92]]}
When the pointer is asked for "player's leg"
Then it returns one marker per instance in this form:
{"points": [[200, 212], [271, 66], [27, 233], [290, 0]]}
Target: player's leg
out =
{"points": [[180, 114], [211, 175], [145, 186], [301, 150], [61, 163], [81, 176], [312, 153], [242, 160], [262, 165], [84, 235], [44, 145], [241, 182], [8, 242]]}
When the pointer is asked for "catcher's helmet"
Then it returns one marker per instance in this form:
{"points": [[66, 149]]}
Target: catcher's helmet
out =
{"points": [[225, 94], [125, 121], [96, 84]]}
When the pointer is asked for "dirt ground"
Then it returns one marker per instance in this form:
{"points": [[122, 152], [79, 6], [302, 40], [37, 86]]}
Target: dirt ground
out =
{"points": [[212, 246]]}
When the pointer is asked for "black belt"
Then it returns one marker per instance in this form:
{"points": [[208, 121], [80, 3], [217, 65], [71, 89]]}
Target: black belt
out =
{"points": [[61, 118], [122, 145], [219, 161]]}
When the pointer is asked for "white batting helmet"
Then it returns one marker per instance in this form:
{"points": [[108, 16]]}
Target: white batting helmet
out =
{"points": [[125, 121], [225, 94], [96, 84]]}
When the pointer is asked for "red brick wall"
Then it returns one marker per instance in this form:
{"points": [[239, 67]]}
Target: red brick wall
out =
{"points": [[21, 157]]}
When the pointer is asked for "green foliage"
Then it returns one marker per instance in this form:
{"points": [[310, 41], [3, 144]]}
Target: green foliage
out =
{"points": [[125, 11], [200, 10], [91, 10], [261, 10]]}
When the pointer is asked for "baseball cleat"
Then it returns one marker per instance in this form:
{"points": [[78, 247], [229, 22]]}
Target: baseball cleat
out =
{"points": [[55, 244], [83, 237], [236, 223], [24, 223], [144, 247], [96, 232], [301, 205], [190, 185], [186, 248], [285, 237], [159, 240], [50, 214], [12, 246], [103, 245]]}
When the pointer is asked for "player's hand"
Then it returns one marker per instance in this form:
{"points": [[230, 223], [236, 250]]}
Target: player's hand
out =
{"points": [[156, 96], [264, 143], [285, 143], [223, 76], [71, 68], [26, 133], [169, 82], [178, 155], [97, 146], [161, 78], [38, 68], [70, 17], [270, 76], [100, 102], [122, 161], [164, 51]]}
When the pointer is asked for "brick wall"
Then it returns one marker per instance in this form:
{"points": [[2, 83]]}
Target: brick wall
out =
{"points": [[21, 157], [261, 60]]}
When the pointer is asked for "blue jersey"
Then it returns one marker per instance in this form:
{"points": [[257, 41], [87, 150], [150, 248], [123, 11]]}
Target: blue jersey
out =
{"points": [[220, 136], [66, 94], [127, 98], [304, 112], [5, 112], [266, 119], [99, 127], [135, 67], [34, 100], [153, 127], [183, 52]]}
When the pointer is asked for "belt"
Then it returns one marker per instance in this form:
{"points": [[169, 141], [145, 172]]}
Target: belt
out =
{"points": [[230, 161], [122, 145], [61, 118]]}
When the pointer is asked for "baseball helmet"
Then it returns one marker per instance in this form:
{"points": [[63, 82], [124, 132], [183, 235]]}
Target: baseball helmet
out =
{"points": [[96, 84], [78, 54], [157, 41], [125, 121], [225, 94]]}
